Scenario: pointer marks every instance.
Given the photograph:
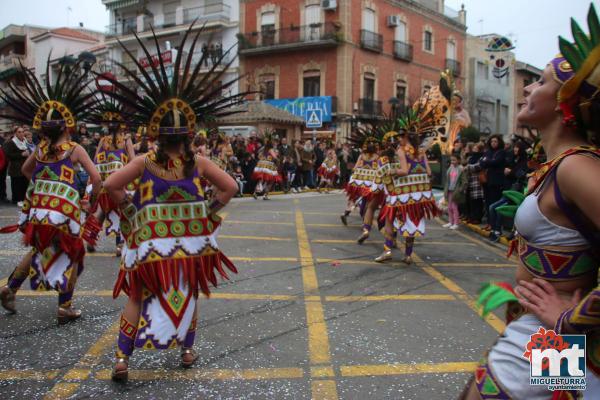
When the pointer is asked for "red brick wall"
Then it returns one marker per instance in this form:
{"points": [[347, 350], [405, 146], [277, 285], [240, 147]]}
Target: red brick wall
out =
{"points": [[425, 66]]}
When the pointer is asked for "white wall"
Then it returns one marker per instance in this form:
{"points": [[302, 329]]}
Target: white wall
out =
{"points": [[59, 48]]}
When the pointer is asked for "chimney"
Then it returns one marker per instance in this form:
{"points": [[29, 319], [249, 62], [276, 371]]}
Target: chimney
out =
{"points": [[441, 6], [462, 15]]}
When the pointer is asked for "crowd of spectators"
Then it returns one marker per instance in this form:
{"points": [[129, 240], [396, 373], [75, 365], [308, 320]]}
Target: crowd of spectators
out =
{"points": [[486, 170]]}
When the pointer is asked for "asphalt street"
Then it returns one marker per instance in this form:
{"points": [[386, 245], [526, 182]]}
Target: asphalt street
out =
{"points": [[308, 316]]}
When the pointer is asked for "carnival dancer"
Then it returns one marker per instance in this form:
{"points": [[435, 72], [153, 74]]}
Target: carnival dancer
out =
{"points": [[391, 166], [558, 227], [114, 151], [358, 189], [409, 198], [328, 171], [266, 173], [50, 218], [170, 252]]}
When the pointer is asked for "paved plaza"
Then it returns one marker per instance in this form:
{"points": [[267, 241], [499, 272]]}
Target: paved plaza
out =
{"points": [[308, 316]]}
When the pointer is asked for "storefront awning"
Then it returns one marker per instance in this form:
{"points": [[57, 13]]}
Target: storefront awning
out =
{"points": [[114, 4]]}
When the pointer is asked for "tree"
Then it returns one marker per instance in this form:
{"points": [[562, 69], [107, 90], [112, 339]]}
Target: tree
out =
{"points": [[470, 134]]}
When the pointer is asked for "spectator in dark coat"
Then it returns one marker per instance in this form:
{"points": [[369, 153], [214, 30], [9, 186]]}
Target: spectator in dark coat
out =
{"points": [[493, 163], [16, 152]]}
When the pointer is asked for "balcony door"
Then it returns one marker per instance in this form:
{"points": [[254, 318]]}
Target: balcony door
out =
{"points": [[312, 30], [368, 20], [169, 10], [400, 33], [451, 50], [267, 28]]}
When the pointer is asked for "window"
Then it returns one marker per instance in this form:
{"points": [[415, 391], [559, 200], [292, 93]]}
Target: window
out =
{"points": [[313, 22], [267, 28], [482, 70], [169, 9], [451, 50], [503, 119], [400, 33], [267, 86], [311, 84], [369, 86], [401, 92], [428, 41], [368, 20]]}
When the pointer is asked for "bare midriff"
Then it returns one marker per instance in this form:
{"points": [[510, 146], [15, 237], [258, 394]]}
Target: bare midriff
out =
{"points": [[564, 288]]}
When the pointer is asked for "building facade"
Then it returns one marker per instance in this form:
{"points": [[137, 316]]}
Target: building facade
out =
{"points": [[526, 74], [489, 100], [353, 59], [170, 19]]}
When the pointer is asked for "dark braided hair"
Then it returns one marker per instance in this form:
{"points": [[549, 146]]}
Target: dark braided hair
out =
{"points": [[53, 133], [173, 142], [589, 128]]}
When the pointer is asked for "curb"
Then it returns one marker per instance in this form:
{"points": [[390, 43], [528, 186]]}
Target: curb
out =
{"points": [[486, 234]]}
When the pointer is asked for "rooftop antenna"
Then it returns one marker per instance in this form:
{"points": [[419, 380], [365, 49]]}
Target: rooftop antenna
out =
{"points": [[480, 22], [69, 10]]}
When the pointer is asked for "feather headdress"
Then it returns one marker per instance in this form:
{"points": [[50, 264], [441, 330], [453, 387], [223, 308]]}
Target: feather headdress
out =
{"points": [[180, 102], [57, 104]]}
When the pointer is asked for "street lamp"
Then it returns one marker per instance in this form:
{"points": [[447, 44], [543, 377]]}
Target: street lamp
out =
{"points": [[88, 59]]}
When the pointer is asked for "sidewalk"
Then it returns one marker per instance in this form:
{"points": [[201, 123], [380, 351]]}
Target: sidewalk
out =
{"points": [[439, 194]]}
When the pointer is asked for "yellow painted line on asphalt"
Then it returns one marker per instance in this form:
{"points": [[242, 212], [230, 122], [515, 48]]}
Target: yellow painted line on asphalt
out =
{"points": [[22, 375], [208, 374], [318, 337], [323, 390], [82, 369], [449, 284], [259, 222], [322, 372], [392, 297], [3, 282], [405, 369], [333, 226], [269, 259], [266, 238], [424, 242], [477, 241], [220, 296], [474, 265]]}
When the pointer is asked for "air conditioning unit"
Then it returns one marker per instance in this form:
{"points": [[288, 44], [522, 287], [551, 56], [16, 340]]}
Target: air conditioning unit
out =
{"points": [[393, 20], [329, 5]]}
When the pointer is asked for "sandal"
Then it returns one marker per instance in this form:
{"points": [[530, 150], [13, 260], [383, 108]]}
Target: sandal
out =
{"points": [[66, 315], [120, 374], [7, 297], [189, 363]]}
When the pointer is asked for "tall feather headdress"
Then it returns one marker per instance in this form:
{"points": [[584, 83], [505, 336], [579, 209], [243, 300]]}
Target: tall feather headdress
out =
{"points": [[181, 103], [57, 104]]}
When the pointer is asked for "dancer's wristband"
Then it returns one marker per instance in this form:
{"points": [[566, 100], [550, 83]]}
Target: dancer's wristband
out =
{"points": [[214, 206]]}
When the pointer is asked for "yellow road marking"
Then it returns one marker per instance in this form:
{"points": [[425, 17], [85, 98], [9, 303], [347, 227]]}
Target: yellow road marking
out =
{"points": [[449, 284], [318, 337], [468, 265], [479, 242], [222, 296], [3, 282], [388, 297], [209, 374], [323, 390], [266, 238], [425, 242], [403, 369], [19, 375], [251, 259], [259, 222], [79, 372], [322, 372], [62, 390], [333, 226]]}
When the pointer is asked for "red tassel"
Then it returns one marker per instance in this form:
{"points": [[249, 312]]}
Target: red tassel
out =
{"points": [[9, 228]]}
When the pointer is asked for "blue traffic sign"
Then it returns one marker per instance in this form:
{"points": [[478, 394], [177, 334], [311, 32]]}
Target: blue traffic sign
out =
{"points": [[314, 118]]}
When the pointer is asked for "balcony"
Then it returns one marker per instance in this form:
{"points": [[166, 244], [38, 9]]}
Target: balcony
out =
{"points": [[403, 51], [289, 39], [369, 108], [208, 13], [10, 61], [371, 41], [453, 66], [216, 12]]}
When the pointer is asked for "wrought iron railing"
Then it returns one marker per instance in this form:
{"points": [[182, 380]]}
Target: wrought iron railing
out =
{"points": [[403, 51], [453, 66], [371, 40], [293, 35], [369, 107]]}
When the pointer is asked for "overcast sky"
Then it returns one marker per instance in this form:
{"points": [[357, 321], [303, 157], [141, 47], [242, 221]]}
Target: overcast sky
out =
{"points": [[534, 25]]}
